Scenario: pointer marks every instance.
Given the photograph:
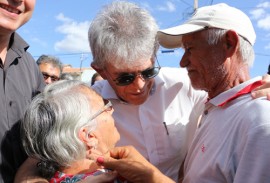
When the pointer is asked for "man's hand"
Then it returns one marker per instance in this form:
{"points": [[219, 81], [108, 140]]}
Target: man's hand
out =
{"points": [[263, 90], [131, 165]]}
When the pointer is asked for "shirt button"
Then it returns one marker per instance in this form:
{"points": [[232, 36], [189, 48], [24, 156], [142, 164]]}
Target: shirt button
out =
{"points": [[205, 112], [10, 103]]}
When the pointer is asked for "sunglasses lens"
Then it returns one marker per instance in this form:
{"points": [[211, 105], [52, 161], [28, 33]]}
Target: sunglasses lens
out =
{"points": [[45, 75], [150, 73], [125, 79]]}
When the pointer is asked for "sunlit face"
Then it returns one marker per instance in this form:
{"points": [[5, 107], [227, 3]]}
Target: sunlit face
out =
{"points": [[203, 62], [108, 135], [50, 73], [15, 13], [138, 91]]}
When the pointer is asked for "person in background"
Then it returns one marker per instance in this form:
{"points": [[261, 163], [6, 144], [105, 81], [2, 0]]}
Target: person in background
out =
{"points": [[51, 68], [232, 137], [20, 81], [95, 77], [64, 126]]}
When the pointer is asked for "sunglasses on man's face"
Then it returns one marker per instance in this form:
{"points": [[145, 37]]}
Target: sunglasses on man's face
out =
{"points": [[46, 76], [128, 78]]}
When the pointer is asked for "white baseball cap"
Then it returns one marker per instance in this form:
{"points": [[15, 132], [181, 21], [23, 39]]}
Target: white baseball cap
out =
{"points": [[215, 16]]}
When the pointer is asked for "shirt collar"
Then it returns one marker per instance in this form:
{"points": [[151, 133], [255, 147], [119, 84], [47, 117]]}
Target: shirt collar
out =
{"points": [[232, 93]]}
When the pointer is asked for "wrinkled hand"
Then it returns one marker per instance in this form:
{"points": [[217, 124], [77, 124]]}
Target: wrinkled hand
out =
{"points": [[263, 90], [131, 165]]}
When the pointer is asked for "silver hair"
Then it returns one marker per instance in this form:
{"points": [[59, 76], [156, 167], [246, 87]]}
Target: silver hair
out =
{"points": [[52, 121], [49, 59], [246, 49], [122, 33]]}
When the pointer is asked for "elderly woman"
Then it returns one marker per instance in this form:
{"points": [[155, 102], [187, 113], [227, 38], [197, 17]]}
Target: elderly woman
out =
{"points": [[63, 126]]}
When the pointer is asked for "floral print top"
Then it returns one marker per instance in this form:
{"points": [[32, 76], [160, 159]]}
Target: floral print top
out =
{"points": [[60, 177]]}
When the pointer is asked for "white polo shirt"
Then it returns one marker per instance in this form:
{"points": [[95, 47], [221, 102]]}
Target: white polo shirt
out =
{"points": [[231, 145], [142, 126]]}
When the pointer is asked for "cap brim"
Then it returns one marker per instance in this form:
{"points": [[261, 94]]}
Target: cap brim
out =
{"points": [[172, 37]]}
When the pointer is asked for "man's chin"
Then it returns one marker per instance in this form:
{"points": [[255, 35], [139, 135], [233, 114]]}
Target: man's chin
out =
{"points": [[137, 101]]}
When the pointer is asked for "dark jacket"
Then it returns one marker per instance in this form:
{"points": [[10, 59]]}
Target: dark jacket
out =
{"points": [[20, 81]]}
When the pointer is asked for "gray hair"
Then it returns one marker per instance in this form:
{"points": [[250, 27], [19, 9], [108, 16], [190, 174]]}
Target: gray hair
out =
{"points": [[52, 121], [246, 49], [122, 33], [71, 76], [49, 59]]}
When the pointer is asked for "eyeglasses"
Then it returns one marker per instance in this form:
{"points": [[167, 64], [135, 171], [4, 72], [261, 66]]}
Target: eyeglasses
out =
{"points": [[127, 78], [107, 107], [46, 76]]}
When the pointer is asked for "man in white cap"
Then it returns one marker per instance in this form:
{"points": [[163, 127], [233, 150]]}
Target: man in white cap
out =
{"points": [[231, 142]]}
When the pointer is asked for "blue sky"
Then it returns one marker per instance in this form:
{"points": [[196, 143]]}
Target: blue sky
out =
{"points": [[60, 28]]}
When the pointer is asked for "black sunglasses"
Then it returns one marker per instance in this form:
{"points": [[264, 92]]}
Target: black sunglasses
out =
{"points": [[46, 76], [128, 78]]}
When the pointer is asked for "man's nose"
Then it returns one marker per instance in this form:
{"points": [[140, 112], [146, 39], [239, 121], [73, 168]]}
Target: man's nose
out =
{"points": [[184, 61], [139, 81], [48, 80]]}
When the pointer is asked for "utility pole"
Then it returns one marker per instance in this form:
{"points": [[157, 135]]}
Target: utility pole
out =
{"points": [[195, 5], [268, 70], [83, 57]]}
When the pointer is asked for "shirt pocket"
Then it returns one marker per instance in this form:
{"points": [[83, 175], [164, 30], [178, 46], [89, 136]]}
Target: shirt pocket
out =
{"points": [[172, 140]]}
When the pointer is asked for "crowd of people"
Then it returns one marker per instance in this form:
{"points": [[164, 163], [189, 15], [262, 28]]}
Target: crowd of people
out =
{"points": [[207, 121]]}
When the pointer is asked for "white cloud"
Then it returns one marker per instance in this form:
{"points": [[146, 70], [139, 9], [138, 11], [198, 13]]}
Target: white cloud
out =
{"points": [[264, 23], [264, 5], [169, 7], [75, 35], [261, 15], [257, 13]]}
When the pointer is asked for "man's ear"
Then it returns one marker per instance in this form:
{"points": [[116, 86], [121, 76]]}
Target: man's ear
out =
{"points": [[99, 70], [232, 42]]}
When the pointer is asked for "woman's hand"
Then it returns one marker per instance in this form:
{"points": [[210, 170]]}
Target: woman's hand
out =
{"points": [[132, 166]]}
